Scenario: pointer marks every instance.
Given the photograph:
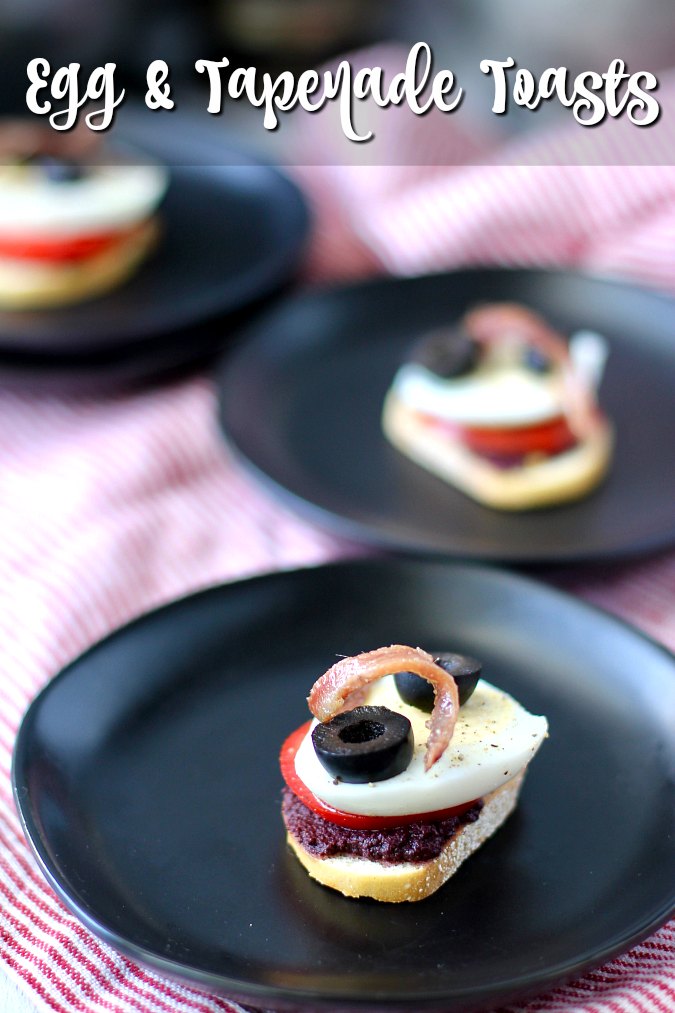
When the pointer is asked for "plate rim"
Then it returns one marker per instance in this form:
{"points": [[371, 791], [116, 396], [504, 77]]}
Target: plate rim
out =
{"points": [[361, 533], [288, 997]]}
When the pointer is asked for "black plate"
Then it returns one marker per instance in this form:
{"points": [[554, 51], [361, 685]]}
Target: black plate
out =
{"points": [[232, 235], [146, 777], [301, 402]]}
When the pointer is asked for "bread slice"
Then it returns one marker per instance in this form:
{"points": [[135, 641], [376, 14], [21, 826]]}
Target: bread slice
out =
{"points": [[27, 285], [539, 482], [410, 881]]}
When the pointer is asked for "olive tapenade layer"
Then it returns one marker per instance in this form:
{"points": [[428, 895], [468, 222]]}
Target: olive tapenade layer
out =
{"points": [[417, 842]]}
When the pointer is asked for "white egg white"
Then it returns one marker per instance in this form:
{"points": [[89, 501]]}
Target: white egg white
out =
{"points": [[500, 392], [507, 396], [109, 197], [494, 739]]}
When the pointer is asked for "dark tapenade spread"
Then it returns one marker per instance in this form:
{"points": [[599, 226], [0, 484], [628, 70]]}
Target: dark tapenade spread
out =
{"points": [[416, 842]]}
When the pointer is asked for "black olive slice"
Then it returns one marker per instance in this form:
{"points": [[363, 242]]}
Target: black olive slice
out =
{"points": [[59, 170], [448, 353], [418, 692], [415, 690], [536, 361], [364, 744], [466, 672]]}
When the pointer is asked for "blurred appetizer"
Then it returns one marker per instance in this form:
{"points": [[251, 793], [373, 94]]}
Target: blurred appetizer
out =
{"points": [[504, 409], [411, 763], [75, 221]]}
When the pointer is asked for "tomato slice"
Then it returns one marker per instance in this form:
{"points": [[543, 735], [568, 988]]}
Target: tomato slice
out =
{"points": [[352, 821], [49, 248], [552, 437]]}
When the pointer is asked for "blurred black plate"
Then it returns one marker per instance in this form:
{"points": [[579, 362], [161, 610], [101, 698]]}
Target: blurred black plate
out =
{"points": [[146, 776], [232, 235], [301, 402]]}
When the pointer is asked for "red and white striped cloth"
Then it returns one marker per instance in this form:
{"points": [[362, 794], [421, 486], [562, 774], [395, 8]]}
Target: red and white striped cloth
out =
{"points": [[111, 506]]}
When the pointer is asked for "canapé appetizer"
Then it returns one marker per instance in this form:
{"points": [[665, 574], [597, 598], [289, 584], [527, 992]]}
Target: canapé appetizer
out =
{"points": [[411, 762], [503, 408], [76, 220]]}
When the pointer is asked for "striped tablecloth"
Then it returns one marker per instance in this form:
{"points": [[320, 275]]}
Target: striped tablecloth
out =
{"points": [[111, 506]]}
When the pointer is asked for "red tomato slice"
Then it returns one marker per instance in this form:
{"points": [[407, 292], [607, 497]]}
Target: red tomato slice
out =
{"points": [[552, 437], [49, 248], [353, 821]]}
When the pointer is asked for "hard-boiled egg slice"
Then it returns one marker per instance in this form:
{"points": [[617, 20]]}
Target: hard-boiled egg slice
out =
{"points": [[108, 197], [503, 396], [494, 739]]}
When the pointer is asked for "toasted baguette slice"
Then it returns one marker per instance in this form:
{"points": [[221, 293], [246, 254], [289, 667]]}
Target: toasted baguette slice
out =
{"points": [[26, 285], [360, 877], [539, 482]]}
